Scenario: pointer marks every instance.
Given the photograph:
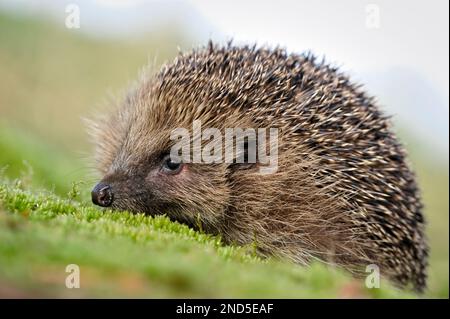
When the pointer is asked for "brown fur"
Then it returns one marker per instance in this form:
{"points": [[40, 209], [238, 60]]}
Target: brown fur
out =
{"points": [[343, 192]]}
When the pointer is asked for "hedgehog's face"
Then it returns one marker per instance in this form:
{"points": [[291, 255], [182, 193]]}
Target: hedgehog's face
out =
{"points": [[141, 176]]}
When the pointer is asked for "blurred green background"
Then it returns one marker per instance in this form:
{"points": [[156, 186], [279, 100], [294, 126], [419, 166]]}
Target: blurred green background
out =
{"points": [[51, 77]]}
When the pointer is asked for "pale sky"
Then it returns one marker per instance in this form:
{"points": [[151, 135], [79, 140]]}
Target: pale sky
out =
{"points": [[411, 34]]}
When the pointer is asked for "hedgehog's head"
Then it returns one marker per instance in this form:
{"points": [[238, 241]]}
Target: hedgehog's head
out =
{"points": [[133, 154], [140, 175]]}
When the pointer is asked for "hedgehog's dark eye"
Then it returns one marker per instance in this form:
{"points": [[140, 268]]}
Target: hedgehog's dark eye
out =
{"points": [[171, 167]]}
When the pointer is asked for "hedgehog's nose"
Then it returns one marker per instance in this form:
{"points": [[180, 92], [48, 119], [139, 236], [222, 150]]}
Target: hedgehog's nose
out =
{"points": [[102, 195]]}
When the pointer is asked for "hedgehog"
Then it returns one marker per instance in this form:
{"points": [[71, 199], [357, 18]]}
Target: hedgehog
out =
{"points": [[343, 192]]}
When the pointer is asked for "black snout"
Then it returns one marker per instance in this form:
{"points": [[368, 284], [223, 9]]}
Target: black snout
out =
{"points": [[102, 195]]}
